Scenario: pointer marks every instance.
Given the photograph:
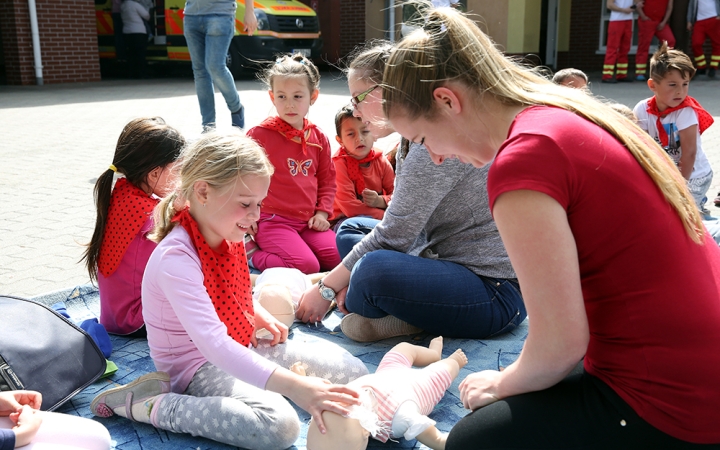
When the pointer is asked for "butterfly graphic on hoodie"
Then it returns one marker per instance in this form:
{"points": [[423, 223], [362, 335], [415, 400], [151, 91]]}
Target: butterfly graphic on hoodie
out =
{"points": [[299, 166]]}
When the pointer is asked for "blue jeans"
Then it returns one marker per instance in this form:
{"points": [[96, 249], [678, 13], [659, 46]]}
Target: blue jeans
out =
{"points": [[352, 231], [441, 297], [208, 39]]}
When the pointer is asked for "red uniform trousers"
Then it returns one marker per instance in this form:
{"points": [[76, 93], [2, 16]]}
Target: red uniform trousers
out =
{"points": [[703, 29], [646, 30], [618, 46]]}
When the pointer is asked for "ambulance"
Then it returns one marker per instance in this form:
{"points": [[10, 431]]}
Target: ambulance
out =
{"points": [[284, 26]]}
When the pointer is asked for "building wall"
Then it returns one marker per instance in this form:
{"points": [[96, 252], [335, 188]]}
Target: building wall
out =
{"points": [[17, 43], [584, 38], [492, 18], [352, 30], [68, 41], [375, 19]]}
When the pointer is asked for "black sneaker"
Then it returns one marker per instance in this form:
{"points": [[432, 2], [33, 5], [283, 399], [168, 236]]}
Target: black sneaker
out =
{"points": [[711, 72], [625, 80], [609, 80], [700, 72]]}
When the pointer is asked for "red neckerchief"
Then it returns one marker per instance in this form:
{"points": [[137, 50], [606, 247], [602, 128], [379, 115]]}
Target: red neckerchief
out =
{"points": [[290, 132], [129, 209], [353, 166], [226, 279], [704, 117]]}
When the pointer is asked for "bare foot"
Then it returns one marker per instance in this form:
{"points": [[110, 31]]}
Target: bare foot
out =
{"points": [[437, 346], [459, 357], [298, 369]]}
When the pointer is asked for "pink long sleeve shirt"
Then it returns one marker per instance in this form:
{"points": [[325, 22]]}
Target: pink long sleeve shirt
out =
{"points": [[183, 329]]}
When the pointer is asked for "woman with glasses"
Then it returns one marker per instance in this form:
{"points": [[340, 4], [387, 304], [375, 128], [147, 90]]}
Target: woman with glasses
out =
{"points": [[435, 262]]}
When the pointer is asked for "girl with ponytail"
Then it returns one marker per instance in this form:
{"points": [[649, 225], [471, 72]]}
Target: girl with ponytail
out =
{"points": [[119, 249], [619, 276]]}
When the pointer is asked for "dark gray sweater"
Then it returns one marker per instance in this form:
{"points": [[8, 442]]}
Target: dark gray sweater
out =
{"points": [[439, 212]]}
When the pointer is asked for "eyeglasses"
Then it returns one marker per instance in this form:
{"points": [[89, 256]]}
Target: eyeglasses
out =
{"points": [[361, 96]]}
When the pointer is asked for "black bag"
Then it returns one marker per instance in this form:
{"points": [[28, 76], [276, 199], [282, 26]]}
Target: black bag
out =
{"points": [[42, 351]]}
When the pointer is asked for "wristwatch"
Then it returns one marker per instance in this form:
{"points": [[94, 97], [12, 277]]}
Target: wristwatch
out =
{"points": [[325, 292]]}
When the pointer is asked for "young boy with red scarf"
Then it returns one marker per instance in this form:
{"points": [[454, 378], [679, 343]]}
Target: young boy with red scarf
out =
{"points": [[364, 177], [293, 230], [216, 379], [119, 249], [676, 120]]}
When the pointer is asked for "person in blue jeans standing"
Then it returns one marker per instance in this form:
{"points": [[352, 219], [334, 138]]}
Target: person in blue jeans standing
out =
{"points": [[209, 26], [435, 262]]}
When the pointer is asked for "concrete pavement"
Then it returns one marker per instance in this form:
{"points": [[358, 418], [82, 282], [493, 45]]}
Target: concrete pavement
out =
{"points": [[56, 139]]}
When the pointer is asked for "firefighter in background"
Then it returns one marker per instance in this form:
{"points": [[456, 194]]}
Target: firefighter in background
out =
{"points": [[653, 16], [619, 38], [703, 19]]}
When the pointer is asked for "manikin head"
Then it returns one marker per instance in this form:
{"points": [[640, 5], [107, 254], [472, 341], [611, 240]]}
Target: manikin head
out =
{"points": [[277, 300], [343, 433]]}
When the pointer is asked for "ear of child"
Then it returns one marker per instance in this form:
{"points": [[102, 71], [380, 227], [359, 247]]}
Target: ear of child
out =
{"points": [[342, 433]]}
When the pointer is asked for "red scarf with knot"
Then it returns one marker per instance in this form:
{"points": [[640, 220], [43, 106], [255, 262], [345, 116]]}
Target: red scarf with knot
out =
{"points": [[704, 117], [290, 132], [226, 279], [353, 167], [130, 207]]}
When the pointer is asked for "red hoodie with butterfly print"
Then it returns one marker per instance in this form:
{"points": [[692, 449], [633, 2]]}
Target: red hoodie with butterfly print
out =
{"points": [[303, 182]]}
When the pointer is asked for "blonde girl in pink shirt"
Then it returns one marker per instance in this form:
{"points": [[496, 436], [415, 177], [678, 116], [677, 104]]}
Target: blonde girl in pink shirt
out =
{"points": [[201, 318]]}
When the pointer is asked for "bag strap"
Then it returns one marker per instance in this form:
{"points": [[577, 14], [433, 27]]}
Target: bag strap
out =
{"points": [[9, 380]]}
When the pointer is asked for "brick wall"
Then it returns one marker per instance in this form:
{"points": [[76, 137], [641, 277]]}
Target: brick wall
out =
{"points": [[584, 37], [17, 43], [352, 25], [68, 41]]}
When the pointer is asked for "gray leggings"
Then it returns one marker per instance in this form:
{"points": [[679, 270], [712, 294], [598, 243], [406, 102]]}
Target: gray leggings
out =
{"points": [[220, 407]]}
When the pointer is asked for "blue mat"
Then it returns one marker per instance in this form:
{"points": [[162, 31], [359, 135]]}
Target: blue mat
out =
{"points": [[133, 359]]}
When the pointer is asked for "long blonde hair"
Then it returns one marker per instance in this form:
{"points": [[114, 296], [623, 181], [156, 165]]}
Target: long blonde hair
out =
{"points": [[450, 47], [218, 159]]}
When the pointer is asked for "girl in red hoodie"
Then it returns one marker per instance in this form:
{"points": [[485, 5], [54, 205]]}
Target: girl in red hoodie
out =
{"points": [[293, 230]]}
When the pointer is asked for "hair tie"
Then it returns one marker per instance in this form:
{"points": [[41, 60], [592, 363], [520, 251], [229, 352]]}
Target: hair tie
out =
{"points": [[113, 168]]}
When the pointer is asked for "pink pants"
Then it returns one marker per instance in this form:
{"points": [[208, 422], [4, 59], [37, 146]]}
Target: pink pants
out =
{"points": [[290, 243], [646, 30], [619, 38], [703, 29]]}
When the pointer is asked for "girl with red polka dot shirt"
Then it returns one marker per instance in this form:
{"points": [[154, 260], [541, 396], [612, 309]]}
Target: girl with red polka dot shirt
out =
{"points": [[119, 250], [293, 229], [201, 318]]}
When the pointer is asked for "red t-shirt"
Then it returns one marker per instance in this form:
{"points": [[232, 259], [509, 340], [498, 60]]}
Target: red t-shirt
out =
{"points": [[303, 183], [655, 9], [652, 296]]}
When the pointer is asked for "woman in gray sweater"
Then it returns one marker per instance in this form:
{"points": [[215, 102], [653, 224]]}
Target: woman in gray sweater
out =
{"points": [[435, 262]]}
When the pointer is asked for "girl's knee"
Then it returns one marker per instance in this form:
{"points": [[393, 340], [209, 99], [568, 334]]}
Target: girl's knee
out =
{"points": [[307, 266], [284, 432], [280, 426]]}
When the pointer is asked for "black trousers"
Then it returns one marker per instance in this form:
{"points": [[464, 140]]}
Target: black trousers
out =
{"points": [[580, 412], [137, 48]]}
